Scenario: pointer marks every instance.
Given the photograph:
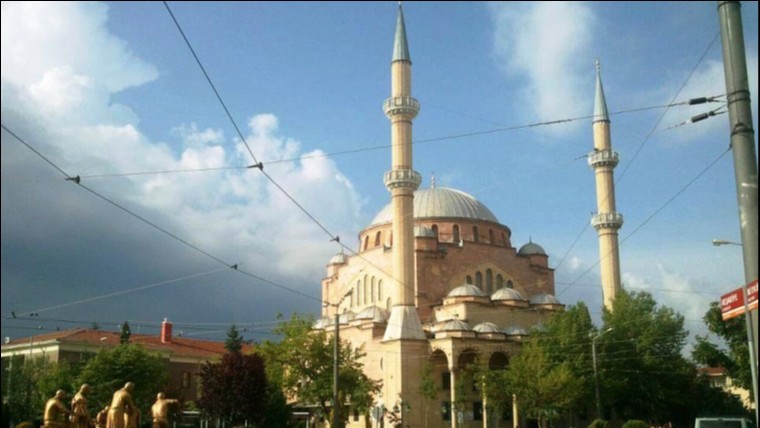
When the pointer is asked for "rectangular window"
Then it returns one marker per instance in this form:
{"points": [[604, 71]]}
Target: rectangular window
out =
{"points": [[446, 411], [477, 410], [356, 414], [445, 381]]}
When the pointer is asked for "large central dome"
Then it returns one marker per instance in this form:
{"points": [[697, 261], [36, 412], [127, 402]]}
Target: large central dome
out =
{"points": [[440, 202]]}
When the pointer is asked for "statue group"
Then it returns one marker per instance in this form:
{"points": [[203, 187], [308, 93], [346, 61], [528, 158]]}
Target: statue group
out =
{"points": [[121, 413]]}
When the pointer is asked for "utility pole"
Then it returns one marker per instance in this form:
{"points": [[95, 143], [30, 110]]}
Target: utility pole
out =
{"points": [[745, 158], [595, 336]]}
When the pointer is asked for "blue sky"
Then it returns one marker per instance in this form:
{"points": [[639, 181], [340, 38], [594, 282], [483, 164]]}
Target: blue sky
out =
{"points": [[103, 89]]}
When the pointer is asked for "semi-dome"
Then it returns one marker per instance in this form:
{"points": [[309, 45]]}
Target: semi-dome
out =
{"points": [[466, 290], [544, 299], [441, 202], [346, 317], [530, 249], [487, 327], [507, 294], [377, 315], [321, 323]]}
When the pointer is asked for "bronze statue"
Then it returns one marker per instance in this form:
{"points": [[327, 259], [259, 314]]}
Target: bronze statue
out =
{"points": [[101, 419], [80, 416], [132, 420], [56, 411], [160, 410], [121, 405]]}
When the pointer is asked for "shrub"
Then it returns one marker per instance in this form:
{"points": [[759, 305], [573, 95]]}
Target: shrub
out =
{"points": [[598, 423], [635, 423]]}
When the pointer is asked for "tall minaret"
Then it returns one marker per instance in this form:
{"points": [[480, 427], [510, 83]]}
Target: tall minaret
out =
{"points": [[402, 181], [607, 220]]}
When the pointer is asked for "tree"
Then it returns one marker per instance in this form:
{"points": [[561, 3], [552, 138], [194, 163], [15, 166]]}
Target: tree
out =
{"points": [[428, 388], [126, 333], [235, 389], [302, 364], [31, 382], [733, 333], [642, 371], [110, 369], [544, 389], [234, 342]]}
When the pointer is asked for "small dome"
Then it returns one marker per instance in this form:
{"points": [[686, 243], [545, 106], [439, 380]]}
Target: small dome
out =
{"points": [[346, 317], [544, 299], [321, 323], [507, 294], [487, 327], [455, 325], [466, 290], [377, 315], [339, 259], [515, 330], [424, 232], [530, 249]]}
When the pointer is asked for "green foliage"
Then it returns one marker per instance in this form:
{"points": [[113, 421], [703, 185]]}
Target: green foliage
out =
{"points": [[642, 371], [545, 389], [234, 342], [126, 333], [278, 411], [635, 423], [734, 356], [110, 369], [428, 388], [302, 364], [31, 382], [598, 423], [235, 389]]}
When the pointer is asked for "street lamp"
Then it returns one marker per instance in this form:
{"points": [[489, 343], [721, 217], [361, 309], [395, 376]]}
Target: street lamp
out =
{"points": [[596, 372], [750, 330], [336, 357]]}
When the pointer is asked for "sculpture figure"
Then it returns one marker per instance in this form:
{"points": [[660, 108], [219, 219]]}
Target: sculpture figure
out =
{"points": [[56, 411], [101, 419], [121, 405], [80, 416], [160, 410]]}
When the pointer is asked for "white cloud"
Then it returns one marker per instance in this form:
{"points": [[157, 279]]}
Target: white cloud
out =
{"points": [[547, 43], [60, 76]]}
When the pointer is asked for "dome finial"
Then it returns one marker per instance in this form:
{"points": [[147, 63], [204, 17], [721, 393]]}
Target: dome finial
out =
{"points": [[432, 181]]}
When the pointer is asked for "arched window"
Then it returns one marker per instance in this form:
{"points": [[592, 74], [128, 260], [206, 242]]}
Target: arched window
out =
{"points": [[490, 237], [366, 242], [377, 239], [475, 236], [358, 292], [435, 230], [499, 281], [390, 239], [372, 291], [388, 305], [468, 280], [366, 289], [479, 280], [510, 285], [380, 290], [504, 239], [457, 238], [489, 281]]}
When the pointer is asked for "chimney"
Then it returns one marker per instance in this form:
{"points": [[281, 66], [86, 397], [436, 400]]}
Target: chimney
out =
{"points": [[166, 331]]}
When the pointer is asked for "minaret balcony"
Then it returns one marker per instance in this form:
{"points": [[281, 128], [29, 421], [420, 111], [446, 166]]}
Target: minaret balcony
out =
{"points": [[607, 221], [402, 178], [403, 105], [605, 157]]}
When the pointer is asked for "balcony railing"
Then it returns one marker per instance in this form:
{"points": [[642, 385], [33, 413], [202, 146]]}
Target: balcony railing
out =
{"points": [[405, 105], [607, 220], [604, 157], [407, 178]]}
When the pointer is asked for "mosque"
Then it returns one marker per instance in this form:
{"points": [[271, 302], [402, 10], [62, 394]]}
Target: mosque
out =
{"points": [[436, 281]]}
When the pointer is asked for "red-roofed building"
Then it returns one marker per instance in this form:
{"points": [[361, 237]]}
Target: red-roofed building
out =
{"points": [[184, 356]]}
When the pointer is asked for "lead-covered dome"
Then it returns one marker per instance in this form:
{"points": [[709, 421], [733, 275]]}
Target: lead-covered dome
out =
{"points": [[441, 202]]}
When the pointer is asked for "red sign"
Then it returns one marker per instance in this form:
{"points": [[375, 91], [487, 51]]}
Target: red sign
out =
{"points": [[732, 304]]}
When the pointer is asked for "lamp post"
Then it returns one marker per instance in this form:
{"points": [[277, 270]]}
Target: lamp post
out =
{"points": [[750, 329], [336, 358], [596, 372]]}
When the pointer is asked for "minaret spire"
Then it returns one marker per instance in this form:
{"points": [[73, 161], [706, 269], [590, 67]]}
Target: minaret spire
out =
{"points": [[400, 46], [402, 180], [600, 103], [607, 221]]}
